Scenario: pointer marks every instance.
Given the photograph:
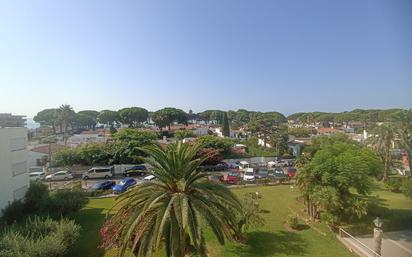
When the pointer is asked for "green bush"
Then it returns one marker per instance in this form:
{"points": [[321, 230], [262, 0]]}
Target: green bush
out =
{"points": [[65, 202], [406, 187], [38, 200], [13, 212], [39, 238], [292, 221], [328, 218], [35, 196], [393, 184]]}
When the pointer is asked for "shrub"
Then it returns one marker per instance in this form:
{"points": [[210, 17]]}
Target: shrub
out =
{"points": [[393, 184], [38, 200], [35, 196], [13, 212], [406, 187], [292, 221], [328, 218], [65, 202], [38, 238]]}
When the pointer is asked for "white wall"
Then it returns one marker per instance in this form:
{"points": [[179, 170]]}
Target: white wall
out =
{"points": [[13, 158], [33, 157]]}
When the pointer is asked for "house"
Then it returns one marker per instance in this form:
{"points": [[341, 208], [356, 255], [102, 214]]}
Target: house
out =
{"points": [[98, 136], [232, 134], [327, 131], [36, 153], [14, 179]]}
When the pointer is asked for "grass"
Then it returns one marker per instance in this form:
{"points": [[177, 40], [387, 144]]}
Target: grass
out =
{"points": [[270, 240], [394, 209]]}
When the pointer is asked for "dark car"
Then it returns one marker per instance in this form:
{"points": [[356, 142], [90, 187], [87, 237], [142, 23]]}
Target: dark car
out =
{"points": [[218, 167], [138, 170], [262, 173], [105, 185], [123, 185]]}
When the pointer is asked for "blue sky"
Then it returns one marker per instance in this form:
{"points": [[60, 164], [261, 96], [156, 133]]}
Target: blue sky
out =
{"points": [[285, 56]]}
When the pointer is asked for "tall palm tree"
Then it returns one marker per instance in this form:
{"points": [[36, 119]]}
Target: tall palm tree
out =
{"points": [[382, 141], [174, 209], [65, 112]]}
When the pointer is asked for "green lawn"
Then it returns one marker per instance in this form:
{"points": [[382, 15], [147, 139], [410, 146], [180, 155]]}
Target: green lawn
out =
{"points": [[270, 240]]}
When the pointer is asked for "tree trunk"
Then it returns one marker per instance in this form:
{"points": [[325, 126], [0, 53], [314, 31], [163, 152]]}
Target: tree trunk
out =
{"points": [[386, 165]]}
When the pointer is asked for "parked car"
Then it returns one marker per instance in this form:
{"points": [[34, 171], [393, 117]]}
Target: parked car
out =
{"points": [[279, 173], [249, 175], [148, 178], [37, 176], [262, 173], [218, 167], [60, 175], [105, 185], [216, 178], [123, 185], [138, 170], [233, 177], [98, 172], [291, 172], [234, 166], [244, 165]]}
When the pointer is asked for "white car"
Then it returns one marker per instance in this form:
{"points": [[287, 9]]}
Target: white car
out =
{"points": [[60, 175], [148, 178], [36, 176], [98, 172], [249, 175]]}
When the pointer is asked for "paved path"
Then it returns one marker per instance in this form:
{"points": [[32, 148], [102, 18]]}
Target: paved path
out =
{"points": [[394, 244]]}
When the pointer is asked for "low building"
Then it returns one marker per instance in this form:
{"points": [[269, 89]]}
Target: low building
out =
{"points": [[14, 179], [40, 151], [327, 131], [98, 136], [7, 120]]}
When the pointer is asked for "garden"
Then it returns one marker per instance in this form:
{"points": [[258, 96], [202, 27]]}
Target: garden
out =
{"points": [[271, 239]]}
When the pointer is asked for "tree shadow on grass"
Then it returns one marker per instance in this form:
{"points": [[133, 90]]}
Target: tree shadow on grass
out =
{"points": [[267, 243], [91, 220], [301, 227]]}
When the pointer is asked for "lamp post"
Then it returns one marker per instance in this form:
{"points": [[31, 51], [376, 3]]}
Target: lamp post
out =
{"points": [[377, 236]]}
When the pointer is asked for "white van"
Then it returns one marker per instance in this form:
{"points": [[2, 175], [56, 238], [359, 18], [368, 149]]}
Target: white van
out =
{"points": [[243, 165], [98, 172]]}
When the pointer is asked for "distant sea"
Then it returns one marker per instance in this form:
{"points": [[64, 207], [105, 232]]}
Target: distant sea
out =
{"points": [[31, 124]]}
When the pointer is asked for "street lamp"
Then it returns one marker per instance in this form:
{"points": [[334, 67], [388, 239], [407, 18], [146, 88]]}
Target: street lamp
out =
{"points": [[378, 223], [377, 236]]}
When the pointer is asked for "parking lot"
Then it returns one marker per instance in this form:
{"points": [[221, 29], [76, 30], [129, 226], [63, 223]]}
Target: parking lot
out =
{"points": [[273, 174]]}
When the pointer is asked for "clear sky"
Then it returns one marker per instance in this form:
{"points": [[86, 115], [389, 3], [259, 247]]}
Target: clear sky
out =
{"points": [[264, 55]]}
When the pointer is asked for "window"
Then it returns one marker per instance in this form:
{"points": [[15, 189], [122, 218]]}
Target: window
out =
{"points": [[17, 144], [18, 194], [102, 170], [19, 168]]}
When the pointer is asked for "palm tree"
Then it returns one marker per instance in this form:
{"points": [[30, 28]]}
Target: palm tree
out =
{"points": [[174, 209], [65, 111], [382, 141]]}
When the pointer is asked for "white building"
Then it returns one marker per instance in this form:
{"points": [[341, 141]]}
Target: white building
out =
{"points": [[14, 180]]}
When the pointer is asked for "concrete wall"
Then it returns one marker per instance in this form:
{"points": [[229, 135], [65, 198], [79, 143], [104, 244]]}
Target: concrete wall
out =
{"points": [[33, 157], [13, 159]]}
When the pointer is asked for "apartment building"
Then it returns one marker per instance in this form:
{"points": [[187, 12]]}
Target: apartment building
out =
{"points": [[14, 180]]}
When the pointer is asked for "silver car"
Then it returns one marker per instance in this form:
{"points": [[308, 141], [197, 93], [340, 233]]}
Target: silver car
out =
{"points": [[60, 175], [36, 176]]}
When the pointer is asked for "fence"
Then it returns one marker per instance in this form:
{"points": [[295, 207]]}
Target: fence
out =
{"points": [[356, 245]]}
